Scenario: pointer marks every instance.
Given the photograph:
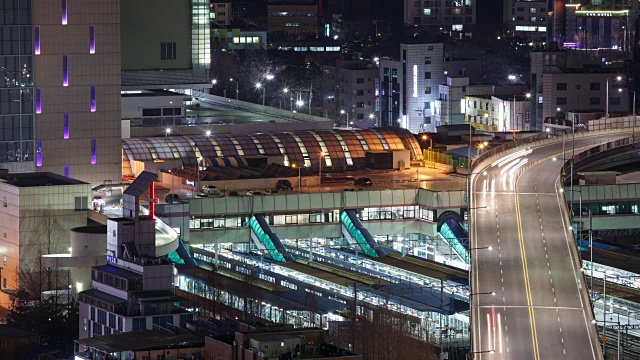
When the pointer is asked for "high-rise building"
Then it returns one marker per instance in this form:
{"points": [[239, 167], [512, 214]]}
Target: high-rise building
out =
{"points": [[17, 147], [410, 86], [76, 80], [453, 17]]}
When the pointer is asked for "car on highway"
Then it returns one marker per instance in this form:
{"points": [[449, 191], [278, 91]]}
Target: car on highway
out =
{"points": [[284, 185], [171, 198], [363, 181]]}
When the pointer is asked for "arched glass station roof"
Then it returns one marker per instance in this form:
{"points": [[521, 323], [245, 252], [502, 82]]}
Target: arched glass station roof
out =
{"points": [[303, 148]]}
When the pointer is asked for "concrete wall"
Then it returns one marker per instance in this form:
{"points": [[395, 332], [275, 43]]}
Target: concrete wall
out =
{"points": [[85, 71], [132, 105], [145, 26], [35, 220]]}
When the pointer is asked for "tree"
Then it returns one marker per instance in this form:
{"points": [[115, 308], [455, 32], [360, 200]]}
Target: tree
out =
{"points": [[56, 323], [41, 232]]}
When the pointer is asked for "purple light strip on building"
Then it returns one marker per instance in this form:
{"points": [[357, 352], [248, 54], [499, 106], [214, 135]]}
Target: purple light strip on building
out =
{"points": [[39, 153], [38, 101], [93, 99], [92, 39], [94, 159], [37, 40], [67, 171], [64, 12], [66, 125], [65, 70]]}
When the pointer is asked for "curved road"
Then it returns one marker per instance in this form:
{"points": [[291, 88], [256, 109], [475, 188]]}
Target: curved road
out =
{"points": [[540, 309]]}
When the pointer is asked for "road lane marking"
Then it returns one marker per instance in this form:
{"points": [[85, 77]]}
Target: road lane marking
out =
{"points": [[499, 334], [532, 320], [489, 343]]}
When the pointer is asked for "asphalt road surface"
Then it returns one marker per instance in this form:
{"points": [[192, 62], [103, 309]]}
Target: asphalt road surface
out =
{"points": [[540, 309]]}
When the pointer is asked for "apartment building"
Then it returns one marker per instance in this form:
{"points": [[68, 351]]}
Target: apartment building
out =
{"points": [[453, 17], [350, 93]]}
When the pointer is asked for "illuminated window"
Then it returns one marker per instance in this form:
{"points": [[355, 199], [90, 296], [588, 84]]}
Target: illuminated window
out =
{"points": [[256, 39], [39, 153], [93, 99], [456, 11], [92, 39], [37, 40], [66, 125], [64, 12], [426, 11], [65, 70], [93, 152], [38, 101], [236, 40]]}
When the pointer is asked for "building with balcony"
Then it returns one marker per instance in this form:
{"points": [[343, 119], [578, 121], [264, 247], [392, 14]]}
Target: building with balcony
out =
{"points": [[134, 290]]}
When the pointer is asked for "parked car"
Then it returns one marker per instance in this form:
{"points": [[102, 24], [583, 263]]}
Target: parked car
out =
{"points": [[284, 184], [363, 181], [209, 189], [171, 198], [233, 193], [250, 193]]}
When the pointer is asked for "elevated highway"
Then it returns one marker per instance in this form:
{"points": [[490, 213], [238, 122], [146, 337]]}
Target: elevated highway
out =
{"points": [[529, 295]]}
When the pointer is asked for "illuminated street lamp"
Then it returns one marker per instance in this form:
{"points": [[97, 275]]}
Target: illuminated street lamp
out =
{"points": [[299, 177], [264, 88], [342, 112]]}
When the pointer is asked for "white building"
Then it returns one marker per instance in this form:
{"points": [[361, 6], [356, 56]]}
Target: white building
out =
{"points": [[449, 107], [37, 212], [498, 113], [134, 290], [410, 86]]}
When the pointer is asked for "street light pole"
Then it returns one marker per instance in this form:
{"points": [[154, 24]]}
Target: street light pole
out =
{"points": [[320, 158]]}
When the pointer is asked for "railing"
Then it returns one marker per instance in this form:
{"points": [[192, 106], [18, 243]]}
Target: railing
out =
{"points": [[267, 238], [256, 108], [449, 235], [358, 233]]}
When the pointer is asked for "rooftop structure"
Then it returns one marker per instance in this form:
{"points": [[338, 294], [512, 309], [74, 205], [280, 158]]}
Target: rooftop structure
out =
{"points": [[138, 345], [134, 290], [23, 180], [304, 148]]}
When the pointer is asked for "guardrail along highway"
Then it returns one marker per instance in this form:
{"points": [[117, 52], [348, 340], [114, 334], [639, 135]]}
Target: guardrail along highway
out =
{"points": [[529, 299]]}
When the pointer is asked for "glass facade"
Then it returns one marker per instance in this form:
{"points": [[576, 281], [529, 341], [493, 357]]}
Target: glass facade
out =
{"points": [[16, 87], [200, 35]]}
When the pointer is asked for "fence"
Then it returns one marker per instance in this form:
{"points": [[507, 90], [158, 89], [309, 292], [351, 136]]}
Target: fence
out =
{"points": [[445, 159]]}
